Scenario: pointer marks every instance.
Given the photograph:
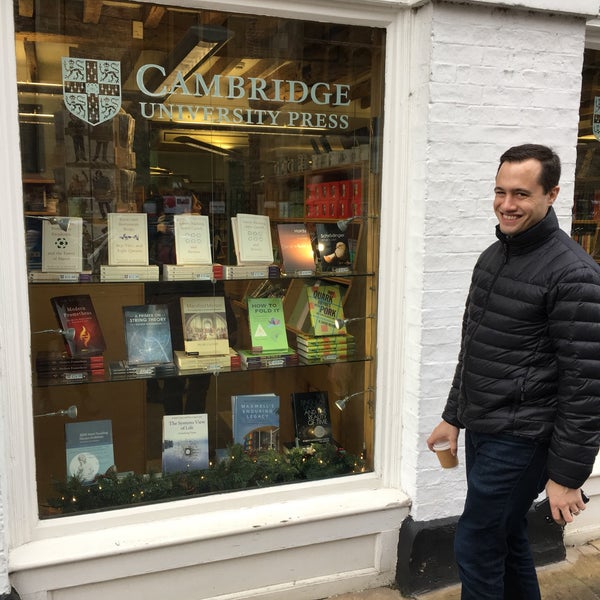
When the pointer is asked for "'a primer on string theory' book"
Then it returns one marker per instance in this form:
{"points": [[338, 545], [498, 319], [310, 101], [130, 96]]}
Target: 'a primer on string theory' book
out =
{"points": [[127, 239], [267, 325], [204, 324], [312, 419], [185, 443], [89, 449], [252, 239], [148, 334], [296, 249], [79, 322], [255, 421], [192, 239], [62, 250]]}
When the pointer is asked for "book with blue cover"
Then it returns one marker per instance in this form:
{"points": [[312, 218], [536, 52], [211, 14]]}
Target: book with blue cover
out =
{"points": [[148, 334], [89, 449], [255, 421]]}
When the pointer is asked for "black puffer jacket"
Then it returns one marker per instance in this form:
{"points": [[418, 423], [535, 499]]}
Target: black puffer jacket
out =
{"points": [[529, 363]]}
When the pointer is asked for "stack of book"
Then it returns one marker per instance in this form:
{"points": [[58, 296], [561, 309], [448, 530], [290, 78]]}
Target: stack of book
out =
{"points": [[60, 366], [263, 360], [317, 349]]}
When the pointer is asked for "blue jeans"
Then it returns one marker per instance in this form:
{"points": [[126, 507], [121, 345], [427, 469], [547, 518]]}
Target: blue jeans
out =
{"points": [[505, 473]]}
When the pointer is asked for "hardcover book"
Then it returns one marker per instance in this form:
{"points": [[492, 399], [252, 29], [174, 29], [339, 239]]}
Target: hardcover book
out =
{"points": [[204, 325], [296, 249], [77, 318], [332, 247], [267, 325], [185, 443], [127, 239], [312, 419], [89, 449], [192, 240], [255, 421], [252, 239], [62, 251], [147, 334]]}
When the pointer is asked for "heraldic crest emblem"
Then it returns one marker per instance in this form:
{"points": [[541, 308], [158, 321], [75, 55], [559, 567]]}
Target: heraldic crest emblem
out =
{"points": [[92, 88]]}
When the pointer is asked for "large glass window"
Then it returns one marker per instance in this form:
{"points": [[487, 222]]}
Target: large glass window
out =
{"points": [[201, 202], [586, 207]]}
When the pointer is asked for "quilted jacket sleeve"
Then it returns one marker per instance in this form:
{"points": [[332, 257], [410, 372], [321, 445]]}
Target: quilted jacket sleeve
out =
{"points": [[574, 328]]}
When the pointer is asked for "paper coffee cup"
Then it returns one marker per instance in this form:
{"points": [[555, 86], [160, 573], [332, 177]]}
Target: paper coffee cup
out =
{"points": [[447, 460]]}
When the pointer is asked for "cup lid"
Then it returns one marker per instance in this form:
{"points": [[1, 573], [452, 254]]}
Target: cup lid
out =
{"points": [[442, 445]]}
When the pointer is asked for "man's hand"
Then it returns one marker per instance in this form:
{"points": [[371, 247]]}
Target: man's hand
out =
{"points": [[564, 502], [444, 431]]}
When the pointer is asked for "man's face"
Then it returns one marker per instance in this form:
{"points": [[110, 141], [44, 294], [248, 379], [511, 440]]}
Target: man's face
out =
{"points": [[520, 201]]}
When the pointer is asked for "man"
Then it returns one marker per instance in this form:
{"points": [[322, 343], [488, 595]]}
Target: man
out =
{"points": [[527, 384]]}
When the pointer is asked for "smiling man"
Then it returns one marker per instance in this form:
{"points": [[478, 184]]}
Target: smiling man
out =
{"points": [[527, 384]]}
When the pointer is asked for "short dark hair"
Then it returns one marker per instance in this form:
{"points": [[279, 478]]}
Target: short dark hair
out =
{"points": [[550, 174]]}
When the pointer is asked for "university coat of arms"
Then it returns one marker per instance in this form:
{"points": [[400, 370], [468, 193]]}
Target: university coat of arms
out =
{"points": [[92, 88]]}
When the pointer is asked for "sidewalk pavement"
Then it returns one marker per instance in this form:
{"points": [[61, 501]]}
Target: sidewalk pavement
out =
{"points": [[575, 578]]}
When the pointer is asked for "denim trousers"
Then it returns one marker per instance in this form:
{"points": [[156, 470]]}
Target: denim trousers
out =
{"points": [[505, 473]]}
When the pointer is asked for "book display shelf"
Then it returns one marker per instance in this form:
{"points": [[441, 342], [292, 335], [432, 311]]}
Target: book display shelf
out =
{"points": [[203, 306]]}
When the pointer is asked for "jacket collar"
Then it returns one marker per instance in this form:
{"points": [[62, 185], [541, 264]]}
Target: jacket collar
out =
{"points": [[531, 238]]}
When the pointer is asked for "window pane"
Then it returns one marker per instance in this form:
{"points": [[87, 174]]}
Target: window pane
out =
{"points": [[144, 130]]}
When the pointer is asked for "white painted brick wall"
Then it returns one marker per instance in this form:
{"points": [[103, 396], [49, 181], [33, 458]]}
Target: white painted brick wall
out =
{"points": [[498, 77]]}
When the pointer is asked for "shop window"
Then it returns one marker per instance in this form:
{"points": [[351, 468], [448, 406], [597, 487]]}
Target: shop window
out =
{"points": [[201, 198], [586, 206]]}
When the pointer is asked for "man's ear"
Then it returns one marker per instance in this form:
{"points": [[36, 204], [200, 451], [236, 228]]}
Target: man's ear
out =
{"points": [[553, 194]]}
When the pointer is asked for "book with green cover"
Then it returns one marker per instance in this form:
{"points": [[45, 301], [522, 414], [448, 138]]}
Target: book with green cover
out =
{"points": [[267, 325], [324, 307]]}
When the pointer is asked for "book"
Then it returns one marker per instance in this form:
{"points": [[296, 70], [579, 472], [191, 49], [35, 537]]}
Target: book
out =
{"points": [[312, 342], [127, 239], [296, 249], [147, 334], [59, 365], [184, 443], [250, 272], [189, 272], [62, 250], [252, 239], [121, 369], [255, 421], [129, 273], [332, 248], [316, 310], [89, 449], [192, 239], [312, 419], [267, 325], [186, 362], [204, 325], [77, 318], [267, 360]]}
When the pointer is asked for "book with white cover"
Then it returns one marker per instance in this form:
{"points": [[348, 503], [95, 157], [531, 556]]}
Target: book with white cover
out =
{"points": [[252, 239], [204, 324], [127, 239], [185, 443], [62, 251], [192, 240]]}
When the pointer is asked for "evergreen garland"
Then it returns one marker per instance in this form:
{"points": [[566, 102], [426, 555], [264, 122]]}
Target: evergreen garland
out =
{"points": [[240, 470]]}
